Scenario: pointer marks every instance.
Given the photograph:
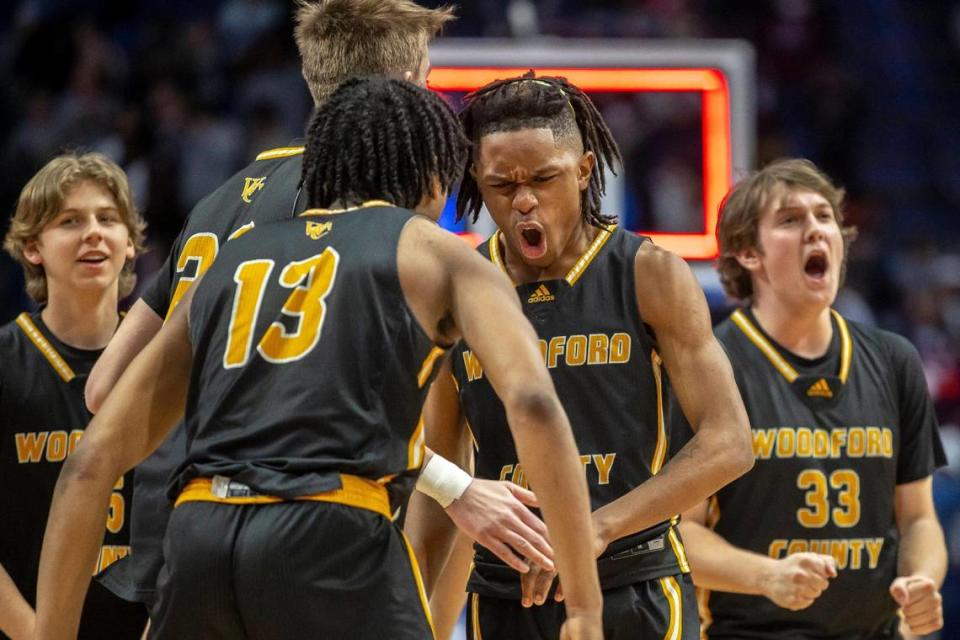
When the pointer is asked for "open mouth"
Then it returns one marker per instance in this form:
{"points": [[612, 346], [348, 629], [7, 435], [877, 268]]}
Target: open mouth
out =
{"points": [[816, 265], [533, 241], [93, 258]]}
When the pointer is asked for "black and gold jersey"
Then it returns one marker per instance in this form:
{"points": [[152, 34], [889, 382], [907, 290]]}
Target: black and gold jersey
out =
{"points": [[266, 190], [604, 363], [308, 362], [42, 418], [832, 437]]}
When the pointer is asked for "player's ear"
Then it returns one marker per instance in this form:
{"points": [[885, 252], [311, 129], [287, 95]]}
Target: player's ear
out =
{"points": [[585, 169], [749, 259], [31, 252], [408, 76]]}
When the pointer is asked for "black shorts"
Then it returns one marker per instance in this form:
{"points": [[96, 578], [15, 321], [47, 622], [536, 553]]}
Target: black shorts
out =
{"points": [[107, 616], [287, 570], [658, 608]]}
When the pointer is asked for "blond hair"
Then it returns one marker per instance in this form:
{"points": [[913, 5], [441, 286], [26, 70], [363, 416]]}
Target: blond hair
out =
{"points": [[42, 200], [740, 211], [341, 38]]}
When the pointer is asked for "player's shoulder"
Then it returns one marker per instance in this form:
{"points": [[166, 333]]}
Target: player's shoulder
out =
{"points": [[886, 343]]}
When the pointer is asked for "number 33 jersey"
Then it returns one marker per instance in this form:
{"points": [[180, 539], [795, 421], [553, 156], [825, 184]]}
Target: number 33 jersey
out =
{"points": [[308, 363], [832, 438]]}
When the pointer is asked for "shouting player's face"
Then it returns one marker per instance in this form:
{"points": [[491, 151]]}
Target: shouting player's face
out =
{"points": [[531, 184], [800, 254], [83, 248]]}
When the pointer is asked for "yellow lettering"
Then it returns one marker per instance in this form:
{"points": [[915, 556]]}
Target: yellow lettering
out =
{"points": [[75, 436], [543, 350], [576, 350], [785, 443], [30, 446], [887, 443], [804, 442], [472, 365], [585, 460], [57, 445], [519, 478], [873, 550], [505, 471], [821, 443], [838, 438], [874, 442], [777, 548], [619, 348], [763, 440], [554, 351], [856, 442], [115, 514], [110, 553], [599, 349], [840, 551], [604, 463], [119, 484], [797, 546], [856, 549]]}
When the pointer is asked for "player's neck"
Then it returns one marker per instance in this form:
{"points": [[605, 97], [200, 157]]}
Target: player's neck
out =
{"points": [[805, 332], [84, 321], [577, 244]]}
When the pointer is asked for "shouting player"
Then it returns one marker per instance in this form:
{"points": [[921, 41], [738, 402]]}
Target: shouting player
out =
{"points": [[614, 314], [834, 528]]}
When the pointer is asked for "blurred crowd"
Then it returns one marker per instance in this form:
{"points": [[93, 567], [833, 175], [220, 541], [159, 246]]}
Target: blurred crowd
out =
{"points": [[184, 92]]}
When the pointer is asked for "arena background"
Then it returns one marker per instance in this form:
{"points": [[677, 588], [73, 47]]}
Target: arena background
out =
{"points": [[182, 93]]}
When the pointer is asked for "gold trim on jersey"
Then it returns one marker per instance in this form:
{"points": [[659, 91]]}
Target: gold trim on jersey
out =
{"points": [[421, 590], [279, 152], [578, 268], [671, 589], [475, 616], [660, 453], [778, 361], [428, 363], [354, 491], [366, 204], [242, 229], [677, 545], [581, 265], [417, 446], [43, 345]]}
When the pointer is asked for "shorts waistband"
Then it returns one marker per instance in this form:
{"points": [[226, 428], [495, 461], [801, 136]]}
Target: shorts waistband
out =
{"points": [[354, 491]]}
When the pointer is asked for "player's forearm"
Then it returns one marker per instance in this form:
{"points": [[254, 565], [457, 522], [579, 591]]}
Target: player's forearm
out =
{"points": [[922, 550], [16, 616], [539, 426], [713, 458], [71, 543], [719, 566]]}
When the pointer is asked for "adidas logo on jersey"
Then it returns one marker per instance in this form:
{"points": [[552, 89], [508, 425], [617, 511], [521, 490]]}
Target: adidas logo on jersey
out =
{"points": [[317, 230], [821, 389], [251, 186], [542, 294]]}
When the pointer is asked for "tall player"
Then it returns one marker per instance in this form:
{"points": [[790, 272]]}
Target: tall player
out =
{"points": [[338, 314], [835, 527], [613, 314], [336, 39], [76, 233]]}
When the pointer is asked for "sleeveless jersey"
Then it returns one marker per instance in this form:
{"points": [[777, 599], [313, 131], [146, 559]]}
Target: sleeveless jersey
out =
{"points": [[833, 437], [266, 190], [604, 363], [308, 363], [42, 417]]}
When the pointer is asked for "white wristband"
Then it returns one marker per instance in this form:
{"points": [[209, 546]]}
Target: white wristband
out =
{"points": [[443, 481]]}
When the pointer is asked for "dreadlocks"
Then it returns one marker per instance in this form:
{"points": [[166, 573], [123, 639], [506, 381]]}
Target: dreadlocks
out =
{"points": [[529, 102], [381, 139]]}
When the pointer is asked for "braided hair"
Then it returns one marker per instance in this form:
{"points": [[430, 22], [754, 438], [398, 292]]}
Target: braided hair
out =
{"points": [[530, 102], [383, 139]]}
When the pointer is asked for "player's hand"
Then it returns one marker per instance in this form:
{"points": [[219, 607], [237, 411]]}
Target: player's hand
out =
{"points": [[920, 603], [580, 626], [535, 586], [796, 581], [492, 512]]}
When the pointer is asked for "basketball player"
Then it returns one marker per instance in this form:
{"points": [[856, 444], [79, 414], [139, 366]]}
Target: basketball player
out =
{"points": [[336, 39], [834, 528], [76, 233], [614, 314], [313, 342]]}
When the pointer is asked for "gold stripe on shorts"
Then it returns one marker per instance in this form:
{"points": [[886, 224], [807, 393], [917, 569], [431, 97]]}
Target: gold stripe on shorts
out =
{"points": [[671, 589]]}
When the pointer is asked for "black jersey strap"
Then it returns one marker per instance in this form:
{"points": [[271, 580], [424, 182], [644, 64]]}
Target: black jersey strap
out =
{"points": [[43, 345], [780, 363]]}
